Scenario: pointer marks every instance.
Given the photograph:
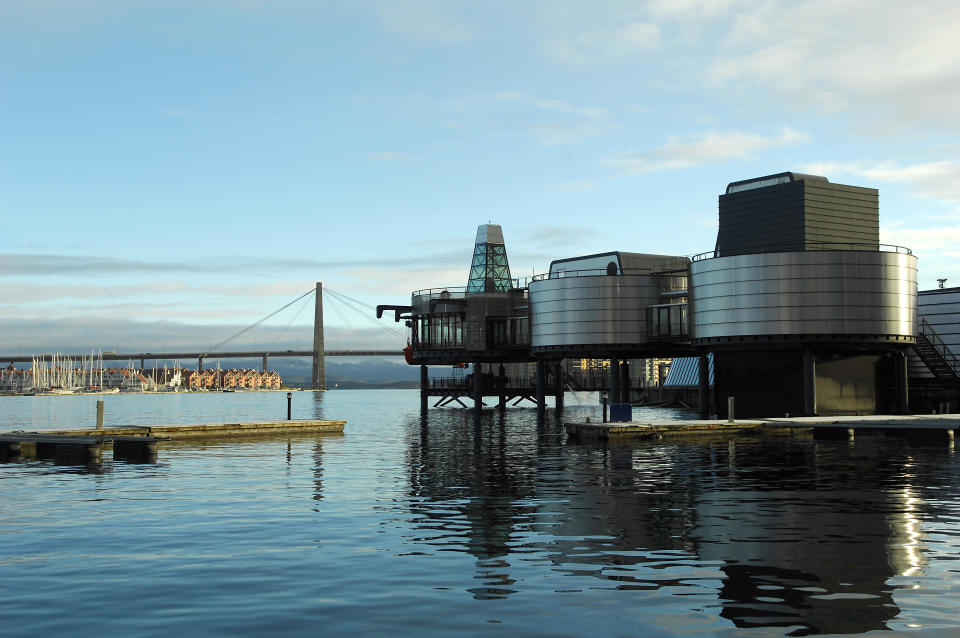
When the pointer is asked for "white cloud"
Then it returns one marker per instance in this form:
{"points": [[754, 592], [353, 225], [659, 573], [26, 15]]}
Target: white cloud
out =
{"points": [[697, 10], [561, 133], [939, 180], [79, 334], [937, 249], [396, 285], [589, 112], [882, 59], [582, 122], [604, 45], [427, 22], [713, 146], [943, 241]]}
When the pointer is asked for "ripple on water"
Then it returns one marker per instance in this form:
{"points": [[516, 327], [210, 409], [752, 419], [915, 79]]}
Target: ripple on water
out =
{"points": [[453, 523]]}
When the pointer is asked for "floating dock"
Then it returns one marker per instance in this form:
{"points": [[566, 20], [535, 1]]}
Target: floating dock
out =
{"points": [[138, 443], [77, 450], [212, 430], [939, 426]]}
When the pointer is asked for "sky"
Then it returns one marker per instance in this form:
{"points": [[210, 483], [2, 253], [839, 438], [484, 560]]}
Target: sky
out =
{"points": [[173, 172]]}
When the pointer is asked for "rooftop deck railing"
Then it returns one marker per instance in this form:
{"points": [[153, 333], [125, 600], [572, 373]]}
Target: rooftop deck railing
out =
{"points": [[460, 292], [882, 248], [602, 272]]}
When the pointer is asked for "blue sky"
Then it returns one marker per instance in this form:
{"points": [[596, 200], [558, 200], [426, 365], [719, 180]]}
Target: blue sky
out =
{"points": [[173, 171]]}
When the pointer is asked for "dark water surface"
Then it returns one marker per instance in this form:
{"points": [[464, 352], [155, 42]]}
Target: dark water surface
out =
{"points": [[448, 523]]}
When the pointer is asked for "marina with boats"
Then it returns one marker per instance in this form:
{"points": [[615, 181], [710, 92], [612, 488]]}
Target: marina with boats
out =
{"points": [[57, 375]]}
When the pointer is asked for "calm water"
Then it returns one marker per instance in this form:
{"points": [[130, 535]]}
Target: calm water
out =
{"points": [[450, 524]]}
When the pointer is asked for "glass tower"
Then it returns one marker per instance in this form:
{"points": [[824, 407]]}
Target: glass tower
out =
{"points": [[489, 271]]}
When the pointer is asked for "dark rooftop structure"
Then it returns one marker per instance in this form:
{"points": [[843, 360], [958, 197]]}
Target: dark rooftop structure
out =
{"points": [[792, 211]]}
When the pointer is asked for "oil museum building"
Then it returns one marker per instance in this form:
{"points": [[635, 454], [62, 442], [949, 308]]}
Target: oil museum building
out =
{"points": [[797, 310]]}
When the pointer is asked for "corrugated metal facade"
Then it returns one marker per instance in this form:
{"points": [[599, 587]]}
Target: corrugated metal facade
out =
{"points": [[941, 309], [798, 215], [685, 372]]}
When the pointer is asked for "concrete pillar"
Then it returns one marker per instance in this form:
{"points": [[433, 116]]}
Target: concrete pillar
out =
{"points": [[703, 387], [424, 387], [502, 387], [614, 381], [199, 364], [903, 390], [625, 382], [264, 368], [142, 366], [319, 379], [558, 381], [541, 386], [809, 383], [477, 386]]}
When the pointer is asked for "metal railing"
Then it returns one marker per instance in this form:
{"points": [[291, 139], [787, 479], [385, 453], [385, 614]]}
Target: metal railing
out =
{"points": [[941, 348], [488, 382], [602, 272], [460, 292], [824, 245], [450, 292]]}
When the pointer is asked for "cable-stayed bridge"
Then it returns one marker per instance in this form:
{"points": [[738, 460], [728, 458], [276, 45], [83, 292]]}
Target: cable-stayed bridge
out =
{"points": [[317, 353]]}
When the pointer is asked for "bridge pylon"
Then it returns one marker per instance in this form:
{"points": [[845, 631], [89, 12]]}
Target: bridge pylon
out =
{"points": [[319, 376]]}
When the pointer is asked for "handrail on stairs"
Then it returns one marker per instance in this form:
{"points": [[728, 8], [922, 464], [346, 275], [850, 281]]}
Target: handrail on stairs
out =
{"points": [[939, 346]]}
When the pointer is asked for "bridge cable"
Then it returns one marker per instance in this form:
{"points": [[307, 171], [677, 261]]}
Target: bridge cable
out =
{"points": [[353, 303], [289, 323], [392, 331], [336, 308], [213, 349]]}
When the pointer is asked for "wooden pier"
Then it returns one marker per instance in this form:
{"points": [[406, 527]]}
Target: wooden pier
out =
{"points": [[935, 427], [138, 443]]}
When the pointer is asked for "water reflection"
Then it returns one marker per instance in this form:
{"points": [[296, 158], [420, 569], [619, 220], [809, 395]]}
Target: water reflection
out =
{"points": [[789, 533]]}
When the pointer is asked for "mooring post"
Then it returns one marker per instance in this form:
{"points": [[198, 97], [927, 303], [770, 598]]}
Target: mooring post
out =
{"points": [[289, 405], [100, 415], [730, 402]]}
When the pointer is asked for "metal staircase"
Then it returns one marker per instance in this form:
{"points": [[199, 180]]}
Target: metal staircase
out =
{"points": [[942, 363]]}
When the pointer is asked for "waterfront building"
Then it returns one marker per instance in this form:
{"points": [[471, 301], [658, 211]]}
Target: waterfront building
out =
{"points": [[798, 309], [804, 310], [14, 380]]}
